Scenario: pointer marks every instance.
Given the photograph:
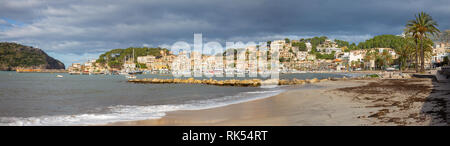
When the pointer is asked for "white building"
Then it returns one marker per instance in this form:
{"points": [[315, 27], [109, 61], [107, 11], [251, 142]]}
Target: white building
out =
{"points": [[440, 52], [391, 51], [146, 59], [277, 45], [302, 55], [357, 55], [342, 55], [330, 50], [308, 46]]}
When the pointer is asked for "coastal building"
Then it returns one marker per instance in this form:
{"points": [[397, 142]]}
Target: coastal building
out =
{"points": [[330, 44], [357, 55], [75, 68], [280, 46], [181, 63], [341, 55], [308, 46], [129, 66], [252, 63], [146, 59], [391, 51], [311, 57], [332, 49], [89, 66], [302, 55], [440, 51]]}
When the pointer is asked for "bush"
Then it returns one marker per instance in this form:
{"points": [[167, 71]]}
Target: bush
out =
{"points": [[373, 76]]}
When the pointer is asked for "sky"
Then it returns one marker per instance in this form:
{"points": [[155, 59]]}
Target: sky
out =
{"points": [[77, 30]]}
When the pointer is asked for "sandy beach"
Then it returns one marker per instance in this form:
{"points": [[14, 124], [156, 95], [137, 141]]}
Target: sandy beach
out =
{"points": [[352, 102]]}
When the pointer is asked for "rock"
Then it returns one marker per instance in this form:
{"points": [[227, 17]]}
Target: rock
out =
{"points": [[297, 81], [256, 82], [176, 80], [244, 83], [228, 82], [269, 82], [406, 76], [190, 80], [283, 82], [315, 80], [197, 81], [307, 81], [220, 83]]}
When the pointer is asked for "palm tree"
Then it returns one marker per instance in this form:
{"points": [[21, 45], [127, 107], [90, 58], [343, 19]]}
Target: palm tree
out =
{"points": [[428, 47], [420, 28], [405, 50], [370, 55], [384, 59], [412, 31]]}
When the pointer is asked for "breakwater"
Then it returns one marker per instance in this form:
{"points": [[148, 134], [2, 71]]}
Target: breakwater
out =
{"points": [[231, 82]]}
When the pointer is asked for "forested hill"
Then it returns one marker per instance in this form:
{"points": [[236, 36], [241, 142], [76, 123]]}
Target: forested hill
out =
{"points": [[115, 57], [13, 55]]}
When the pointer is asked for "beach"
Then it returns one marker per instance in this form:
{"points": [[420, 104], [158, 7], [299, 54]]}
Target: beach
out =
{"points": [[349, 102]]}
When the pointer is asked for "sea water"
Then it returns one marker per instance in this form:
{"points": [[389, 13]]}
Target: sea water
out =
{"points": [[44, 99]]}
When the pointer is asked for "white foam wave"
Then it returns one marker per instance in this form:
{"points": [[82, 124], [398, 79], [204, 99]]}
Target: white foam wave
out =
{"points": [[132, 113]]}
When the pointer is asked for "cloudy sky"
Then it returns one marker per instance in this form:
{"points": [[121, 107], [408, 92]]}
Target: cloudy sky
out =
{"points": [[75, 30]]}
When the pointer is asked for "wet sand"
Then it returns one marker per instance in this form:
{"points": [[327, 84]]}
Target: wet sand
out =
{"points": [[343, 102]]}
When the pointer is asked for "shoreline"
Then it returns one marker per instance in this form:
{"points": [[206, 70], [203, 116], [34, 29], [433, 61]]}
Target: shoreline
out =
{"points": [[340, 103], [252, 112]]}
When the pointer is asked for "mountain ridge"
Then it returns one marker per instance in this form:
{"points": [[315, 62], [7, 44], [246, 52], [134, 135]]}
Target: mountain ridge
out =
{"points": [[14, 56]]}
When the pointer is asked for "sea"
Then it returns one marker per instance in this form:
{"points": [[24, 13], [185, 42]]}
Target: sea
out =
{"points": [[44, 99]]}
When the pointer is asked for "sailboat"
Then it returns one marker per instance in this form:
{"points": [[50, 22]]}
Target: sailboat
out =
{"points": [[123, 70], [136, 71]]}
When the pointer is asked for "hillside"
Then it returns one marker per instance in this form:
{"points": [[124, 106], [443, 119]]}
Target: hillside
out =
{"points": [[115, 57], [13, 55]]}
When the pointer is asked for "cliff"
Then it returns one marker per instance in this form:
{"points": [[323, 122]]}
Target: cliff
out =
{"points": [[13, 56]]}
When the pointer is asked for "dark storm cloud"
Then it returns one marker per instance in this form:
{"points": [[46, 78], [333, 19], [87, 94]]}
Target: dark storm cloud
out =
{"points": [[87, 26]]}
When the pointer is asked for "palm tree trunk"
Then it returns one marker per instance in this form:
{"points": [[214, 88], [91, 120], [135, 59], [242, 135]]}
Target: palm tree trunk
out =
{"points": [[416, 64], [422, 56], [401, 65]]}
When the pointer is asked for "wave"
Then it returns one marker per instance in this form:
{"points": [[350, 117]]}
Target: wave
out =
{"points": [[132, 113]]}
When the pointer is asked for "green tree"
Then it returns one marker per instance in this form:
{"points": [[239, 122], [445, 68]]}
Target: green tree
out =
{"points": [[115, 58], [446, 60], [405, 51], [385, 59], [287, 40], [301, 46], [422, 27], [282, 59], [380, 41], [370, 55]]}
